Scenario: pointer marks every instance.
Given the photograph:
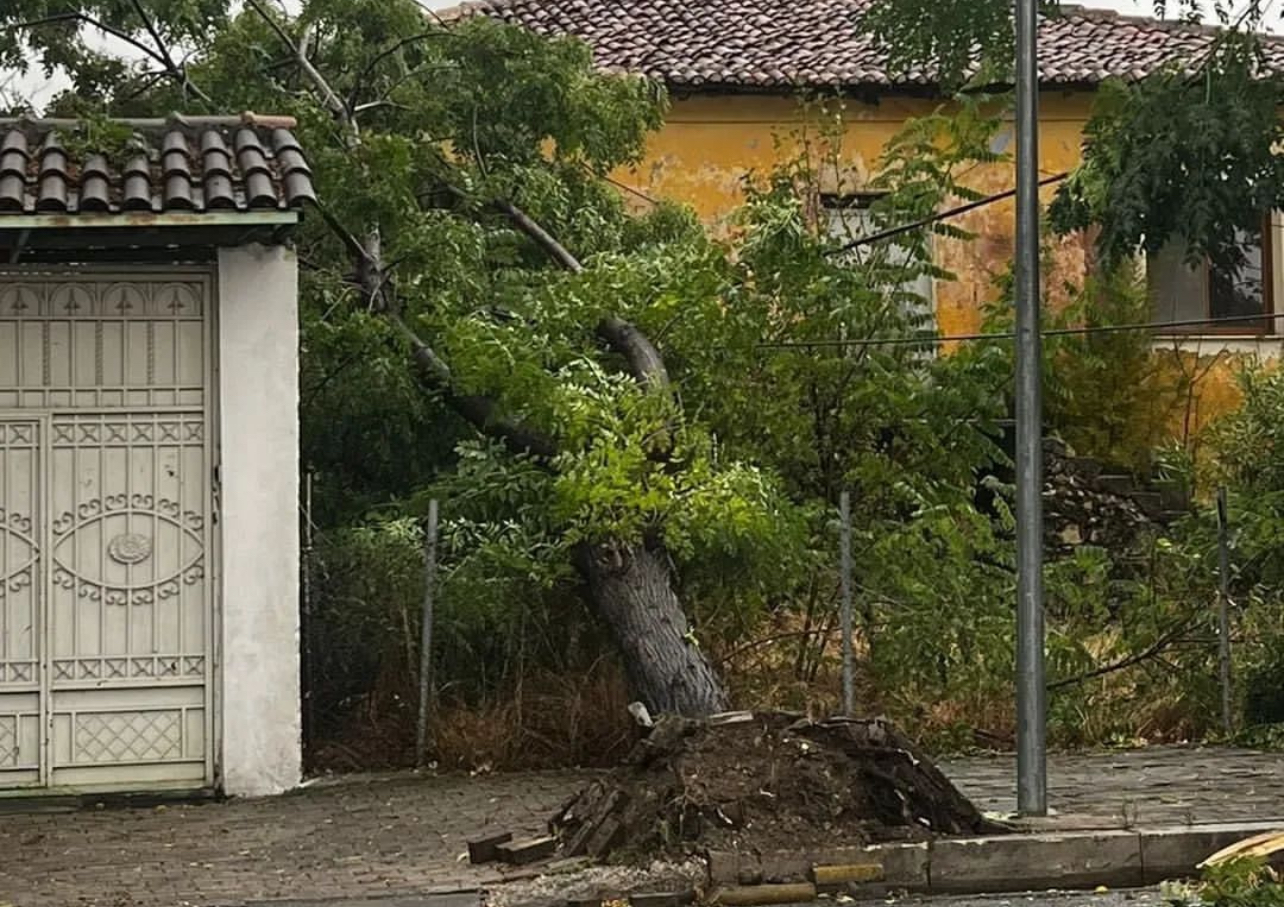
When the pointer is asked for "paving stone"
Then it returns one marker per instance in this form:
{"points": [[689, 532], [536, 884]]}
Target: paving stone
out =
{"points": [[903, 866], [406, 834], [1118, 788], [785, 866], [391, 836]]}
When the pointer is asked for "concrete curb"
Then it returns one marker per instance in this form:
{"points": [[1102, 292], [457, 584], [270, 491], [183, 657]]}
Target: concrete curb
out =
{"points": [[1001, 863]]}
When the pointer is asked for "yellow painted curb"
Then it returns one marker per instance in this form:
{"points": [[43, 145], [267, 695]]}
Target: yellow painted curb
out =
{"points": [[844, 874], [756, 895]]}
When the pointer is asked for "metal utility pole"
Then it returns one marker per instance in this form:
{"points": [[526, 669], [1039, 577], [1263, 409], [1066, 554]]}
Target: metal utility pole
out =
{"points": [[1032, 777]]}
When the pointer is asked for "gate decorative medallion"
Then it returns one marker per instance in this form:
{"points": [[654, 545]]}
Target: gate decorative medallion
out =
{"points": [[106, 611]]}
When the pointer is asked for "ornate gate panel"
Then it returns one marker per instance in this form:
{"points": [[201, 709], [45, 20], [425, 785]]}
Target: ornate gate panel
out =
{"points": [[105, 647], [21, 572]]}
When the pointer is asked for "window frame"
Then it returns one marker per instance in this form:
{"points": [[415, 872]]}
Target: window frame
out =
{"points": [[830, 203], [1265, 327]]}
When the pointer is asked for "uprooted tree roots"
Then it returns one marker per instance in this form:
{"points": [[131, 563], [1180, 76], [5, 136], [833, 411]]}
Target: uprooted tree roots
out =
{"points": [[765, 781]]}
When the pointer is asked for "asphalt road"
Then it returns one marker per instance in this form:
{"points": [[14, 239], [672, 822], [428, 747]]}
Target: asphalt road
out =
{"points": [[1139, 897], [1145, 897]]}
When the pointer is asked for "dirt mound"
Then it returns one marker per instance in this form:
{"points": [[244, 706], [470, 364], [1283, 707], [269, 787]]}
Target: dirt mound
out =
{"points": [[765, 781]]}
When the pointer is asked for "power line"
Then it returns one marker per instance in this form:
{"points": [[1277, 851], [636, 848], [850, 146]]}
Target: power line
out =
{"points": [[934, 218], [1201, 59], [1009, 335]]}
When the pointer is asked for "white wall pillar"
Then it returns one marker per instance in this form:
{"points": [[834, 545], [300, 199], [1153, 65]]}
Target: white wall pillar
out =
{"points": [[259, 439]]}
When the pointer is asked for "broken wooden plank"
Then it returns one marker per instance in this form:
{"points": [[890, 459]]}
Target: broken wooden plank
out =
{"points": [[482, 847], [519, 853]]}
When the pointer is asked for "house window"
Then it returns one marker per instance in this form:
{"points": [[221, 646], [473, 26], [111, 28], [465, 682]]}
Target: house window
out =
{"points": [[850, 217], [1208, 299]]}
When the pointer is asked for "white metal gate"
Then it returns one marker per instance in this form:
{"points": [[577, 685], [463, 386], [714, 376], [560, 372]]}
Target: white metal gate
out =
{"points": [[106, 595]]}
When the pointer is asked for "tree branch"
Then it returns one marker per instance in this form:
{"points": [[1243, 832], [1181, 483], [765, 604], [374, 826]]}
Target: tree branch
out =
{"points": [[646, 364], [176, 71], [1153, 651], [373, 274], [368, 70], [159, 54], [479, 411], [328, 95], [94, 23], [542, 237]]}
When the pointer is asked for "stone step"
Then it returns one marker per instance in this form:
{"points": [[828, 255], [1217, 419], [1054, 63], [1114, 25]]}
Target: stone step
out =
{"points": [[1174, 494], [1151, 503], [1116, 484], [1083, 467]]}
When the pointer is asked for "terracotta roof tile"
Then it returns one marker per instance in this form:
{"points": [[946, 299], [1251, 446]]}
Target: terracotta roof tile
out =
{"points": [[178, 165], [761, 44]]}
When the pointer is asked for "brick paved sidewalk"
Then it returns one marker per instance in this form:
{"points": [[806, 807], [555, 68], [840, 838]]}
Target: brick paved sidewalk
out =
{"points": [[362, 837], [404, 835], [1154, 786]]}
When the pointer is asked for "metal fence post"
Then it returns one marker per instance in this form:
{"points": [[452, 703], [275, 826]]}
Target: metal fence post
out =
{"points": [[306, 622], [1032, 785], [1223, 610], [425, 637], [845, 566]]}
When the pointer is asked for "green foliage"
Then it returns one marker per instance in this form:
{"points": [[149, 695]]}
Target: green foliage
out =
{"points": [[1187, 153], [738, 472], [904, 432], [1249, 452], [1241, 882], [1105, 391], [1250, 442], [955, 39], [366, 586], [1263, 698], [1181, 156]]}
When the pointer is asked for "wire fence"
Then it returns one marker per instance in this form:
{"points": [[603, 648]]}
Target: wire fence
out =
{"points": [[390, 680]]}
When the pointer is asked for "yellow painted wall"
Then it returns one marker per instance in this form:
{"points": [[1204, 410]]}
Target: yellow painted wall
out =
{"points": [[710, 144]]}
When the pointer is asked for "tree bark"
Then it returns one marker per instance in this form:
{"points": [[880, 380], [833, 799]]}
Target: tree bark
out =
{"points": [[632, 588]]}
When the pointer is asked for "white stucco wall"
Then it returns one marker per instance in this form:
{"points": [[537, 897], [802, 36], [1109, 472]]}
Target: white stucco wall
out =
{"points": [[259, 438]]}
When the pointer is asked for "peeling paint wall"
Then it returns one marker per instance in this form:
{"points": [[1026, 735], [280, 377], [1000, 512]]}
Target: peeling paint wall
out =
{"points": [[709, 145]]}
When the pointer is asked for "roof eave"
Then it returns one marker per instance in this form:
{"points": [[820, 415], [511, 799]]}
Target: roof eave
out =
{"points": [[863, 89], [26, 237], [176, 219]]}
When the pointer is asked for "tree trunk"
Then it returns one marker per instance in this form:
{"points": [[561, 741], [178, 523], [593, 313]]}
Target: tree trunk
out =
{"points": [[632, 589]]}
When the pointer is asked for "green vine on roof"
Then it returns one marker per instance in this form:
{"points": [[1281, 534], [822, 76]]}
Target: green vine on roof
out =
{"points": [[96, 133]]}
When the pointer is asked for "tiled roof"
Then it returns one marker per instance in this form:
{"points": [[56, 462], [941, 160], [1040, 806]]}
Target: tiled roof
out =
{"points": [[192, 165], [773, 44]]}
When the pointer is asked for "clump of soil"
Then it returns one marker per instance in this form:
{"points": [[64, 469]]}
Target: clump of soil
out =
{"points": [[765, 781]]}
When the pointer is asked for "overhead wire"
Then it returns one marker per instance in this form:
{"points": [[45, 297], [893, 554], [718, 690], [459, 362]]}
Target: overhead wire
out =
{"points": [[927, 339], [891, 232]]}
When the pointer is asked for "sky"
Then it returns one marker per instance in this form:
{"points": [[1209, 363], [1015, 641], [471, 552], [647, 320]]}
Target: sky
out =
{"points": [[40, 90]]}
